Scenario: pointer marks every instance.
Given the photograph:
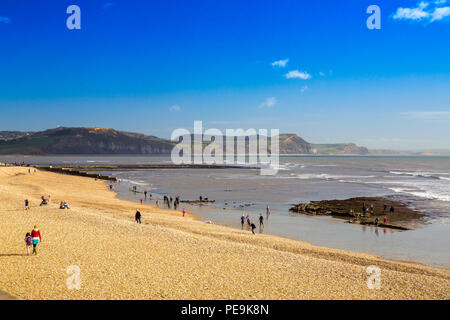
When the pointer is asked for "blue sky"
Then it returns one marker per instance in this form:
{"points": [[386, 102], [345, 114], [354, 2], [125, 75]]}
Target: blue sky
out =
{"points": [[306, 67]]}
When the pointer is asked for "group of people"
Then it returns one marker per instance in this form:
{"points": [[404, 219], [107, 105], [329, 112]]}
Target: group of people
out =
{"points": [[64, 205], [251, 224], [32, 239], [372, 212], [372, 209], [169, 201], [44, 201]]}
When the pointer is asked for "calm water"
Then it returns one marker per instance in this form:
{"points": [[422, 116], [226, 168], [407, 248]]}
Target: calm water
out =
{"points": [[422, 182]]}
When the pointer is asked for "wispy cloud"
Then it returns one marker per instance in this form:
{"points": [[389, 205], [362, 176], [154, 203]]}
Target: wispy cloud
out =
{"points": [[428, 115], [269, 103], [295, 74], [280, 63], [424, 11], [440, 13], [5, 20], [304, 88], [175, 108]]}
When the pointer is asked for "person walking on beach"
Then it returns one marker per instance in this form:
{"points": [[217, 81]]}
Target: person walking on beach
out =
{"points": [[261, 222], [175, 205], [392, 210], [138, 217], [371, 209], [28, 242], [184, 212], [252, 225], [248, 221], [145, 194], [384, 209], [385, 220], [267, 212], [242, 221], [27, 204], [36, 238]]}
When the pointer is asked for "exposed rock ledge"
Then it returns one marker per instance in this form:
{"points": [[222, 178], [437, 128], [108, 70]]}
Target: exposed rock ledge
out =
{"points": [[352, 210]]}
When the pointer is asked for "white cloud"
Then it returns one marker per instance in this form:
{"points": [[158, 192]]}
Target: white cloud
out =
{"points": [[417, 13], [5, 20], [280, 63], [269, 103], [424, 12], [175, 108], [440, 13], [295, 74]]}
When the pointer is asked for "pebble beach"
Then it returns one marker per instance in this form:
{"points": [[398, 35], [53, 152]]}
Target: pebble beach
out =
{"points": [[173, 257]]}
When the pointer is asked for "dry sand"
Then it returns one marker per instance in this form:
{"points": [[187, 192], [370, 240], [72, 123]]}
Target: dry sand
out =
{"points": [[171, 257]]}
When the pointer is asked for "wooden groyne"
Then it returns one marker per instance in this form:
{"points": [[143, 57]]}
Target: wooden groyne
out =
{"points": [[75, 172], [150, 166], [82, 170]]}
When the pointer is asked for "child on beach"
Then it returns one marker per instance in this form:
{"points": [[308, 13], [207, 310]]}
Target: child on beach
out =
{"points": [[28, 242], [27, 204], [184, 212], [253, 227]]}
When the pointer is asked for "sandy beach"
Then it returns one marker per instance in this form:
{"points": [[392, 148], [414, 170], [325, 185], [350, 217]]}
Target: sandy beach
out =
{"points": [[171, 257]]}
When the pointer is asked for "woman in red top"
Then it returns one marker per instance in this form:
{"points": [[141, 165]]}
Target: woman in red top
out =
{"points": [[36, 236]]}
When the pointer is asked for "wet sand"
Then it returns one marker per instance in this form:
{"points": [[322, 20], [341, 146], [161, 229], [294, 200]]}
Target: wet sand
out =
{"points": [[171, 257]]}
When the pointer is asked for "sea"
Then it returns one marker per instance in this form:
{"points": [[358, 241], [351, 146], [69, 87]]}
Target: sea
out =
{"points": [[422, 182]]}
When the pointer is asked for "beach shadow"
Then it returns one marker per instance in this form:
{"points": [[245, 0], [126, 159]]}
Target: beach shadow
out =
{"points": [[12, 254]]}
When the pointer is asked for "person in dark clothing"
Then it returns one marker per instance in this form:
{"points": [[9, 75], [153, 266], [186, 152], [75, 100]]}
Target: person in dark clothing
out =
{"points": [[138, 217], [252, 225], [242, 221], [392, 210], [145, 194], [261, 222]]}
